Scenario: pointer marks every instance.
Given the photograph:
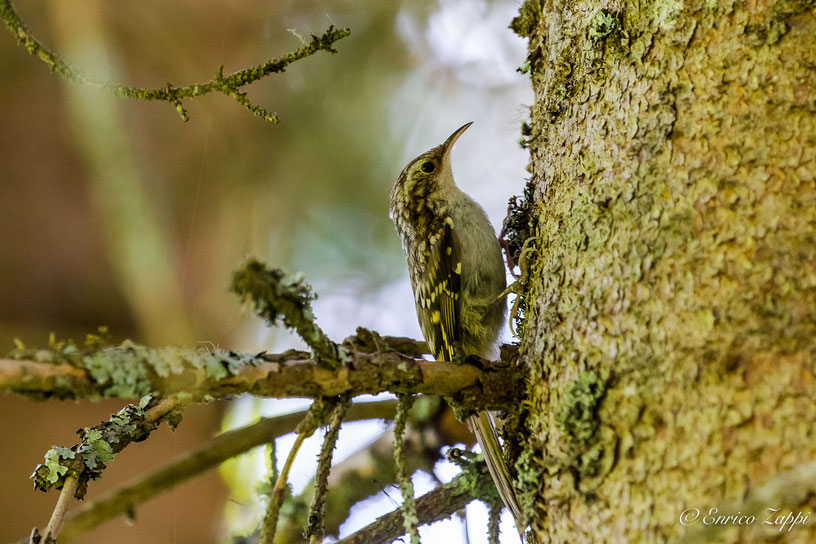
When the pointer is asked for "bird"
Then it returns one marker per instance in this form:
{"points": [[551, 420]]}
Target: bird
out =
{"points": [[458, 278]]}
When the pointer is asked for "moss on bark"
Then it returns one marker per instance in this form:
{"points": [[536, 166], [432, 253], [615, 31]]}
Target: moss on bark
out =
{"points": [[673, 149]]}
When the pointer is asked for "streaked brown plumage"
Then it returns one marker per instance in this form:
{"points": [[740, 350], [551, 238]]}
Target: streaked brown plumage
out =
{"points": [[458, 277]]}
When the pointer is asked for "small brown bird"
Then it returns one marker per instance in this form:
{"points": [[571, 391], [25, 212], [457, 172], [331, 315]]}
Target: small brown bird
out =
{"points": [[458, 277]]}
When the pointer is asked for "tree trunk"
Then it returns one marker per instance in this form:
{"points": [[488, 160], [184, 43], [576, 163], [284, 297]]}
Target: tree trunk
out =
{"points": [[669, 337]]}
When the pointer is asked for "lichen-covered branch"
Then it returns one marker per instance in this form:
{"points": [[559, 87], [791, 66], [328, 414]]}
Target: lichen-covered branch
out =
{"points": [[493, 519], [277, 296], [305, 429], [132, 371], [98, 445], [203, 458], [315, 529], [364, 474], [473, 483], [409, 515], [228, 85]]}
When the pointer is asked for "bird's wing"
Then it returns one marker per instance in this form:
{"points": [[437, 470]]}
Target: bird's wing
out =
{"points": [[438, 302]]}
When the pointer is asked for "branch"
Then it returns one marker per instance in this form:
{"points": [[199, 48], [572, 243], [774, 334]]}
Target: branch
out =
{"points": [[493, 518], [409, 515], [316, 529], [277, 296], [132, 371], [473, 483], [365, 363], [58, 516], [70, 469], [229, 86], [305, 429], [205, 457], [98, 445], [364, 474]]}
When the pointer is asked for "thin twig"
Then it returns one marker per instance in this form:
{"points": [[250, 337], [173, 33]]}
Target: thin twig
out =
{"points": [[493, 522], [229, 85], [270, 521], [58, 516], [205, 457], [272, 459], [409, 514], [315, 529], [473, 483], [364, 474], [305, 429]]}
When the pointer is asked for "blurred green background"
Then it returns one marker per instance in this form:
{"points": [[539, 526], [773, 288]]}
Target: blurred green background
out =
{"points": [[115, 212]]}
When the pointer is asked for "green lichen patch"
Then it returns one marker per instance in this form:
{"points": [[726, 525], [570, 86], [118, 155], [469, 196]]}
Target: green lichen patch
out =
{"points": [[122, 370], [579, 409], [53, 468], [601, 25], [130, 370], [529, 472], [278, 297], [96, 448], [665, 12], [471, 480]]}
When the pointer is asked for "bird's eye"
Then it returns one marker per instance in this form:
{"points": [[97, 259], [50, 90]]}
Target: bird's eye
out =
{"points": [[427, 167]]}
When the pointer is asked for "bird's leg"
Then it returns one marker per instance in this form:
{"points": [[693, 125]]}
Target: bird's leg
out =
{"points": [[517, 286]]}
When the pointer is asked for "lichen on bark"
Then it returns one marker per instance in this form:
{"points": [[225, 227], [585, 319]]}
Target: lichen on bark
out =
{"points": [[674, 214]]}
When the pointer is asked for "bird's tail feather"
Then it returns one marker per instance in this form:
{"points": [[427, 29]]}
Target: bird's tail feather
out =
{"points": [[482, 426]]}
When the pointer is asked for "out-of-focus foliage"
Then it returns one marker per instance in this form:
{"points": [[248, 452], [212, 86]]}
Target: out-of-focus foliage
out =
{"points": [[214, 189], [116, 213]]}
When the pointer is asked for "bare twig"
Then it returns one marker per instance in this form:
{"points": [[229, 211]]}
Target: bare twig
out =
{"points": [[409, 514], [229, 85], [54, 527], [270, 521], [205, 457], [315, 529], [305, 429]]}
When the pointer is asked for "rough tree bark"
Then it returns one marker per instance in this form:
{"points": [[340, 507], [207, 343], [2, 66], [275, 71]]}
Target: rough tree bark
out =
{"points": [[670, 336]]}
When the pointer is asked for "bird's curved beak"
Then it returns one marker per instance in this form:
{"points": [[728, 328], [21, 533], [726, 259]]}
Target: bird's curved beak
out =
{"points": [[446, 147]]}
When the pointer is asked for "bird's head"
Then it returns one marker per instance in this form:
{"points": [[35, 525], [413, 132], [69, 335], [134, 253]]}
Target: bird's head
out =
{"points": [[426, 176]]}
